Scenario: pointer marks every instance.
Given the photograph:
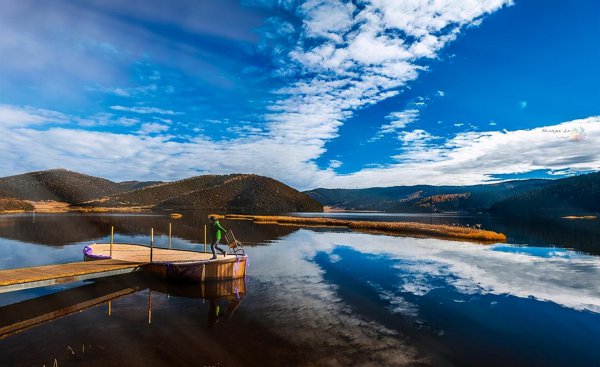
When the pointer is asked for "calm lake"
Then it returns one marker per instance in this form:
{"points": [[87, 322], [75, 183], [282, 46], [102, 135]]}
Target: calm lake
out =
{"points": [[313, 297]]}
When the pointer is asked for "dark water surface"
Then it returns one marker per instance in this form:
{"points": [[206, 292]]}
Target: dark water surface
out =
{"points": [[312, 297]]}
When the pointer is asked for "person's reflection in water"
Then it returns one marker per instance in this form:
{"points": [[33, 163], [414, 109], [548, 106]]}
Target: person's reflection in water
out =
{"points": [[215, 314]]}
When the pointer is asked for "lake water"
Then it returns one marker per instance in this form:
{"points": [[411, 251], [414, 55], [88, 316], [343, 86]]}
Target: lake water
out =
{"points": [[326, 297]]}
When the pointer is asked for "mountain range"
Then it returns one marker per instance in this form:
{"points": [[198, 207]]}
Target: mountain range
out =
{"points": [[231, 193], [568, 196], [248, 193]]}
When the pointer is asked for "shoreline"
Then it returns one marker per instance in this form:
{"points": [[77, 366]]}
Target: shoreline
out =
{"points": [[62, 207], [395, 228], [332, 209]]}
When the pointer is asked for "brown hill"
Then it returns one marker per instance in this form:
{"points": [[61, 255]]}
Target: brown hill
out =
{"points": [[5, 194], [150, 196], [134, 185], [246, 193], [239, 193], [59, 185]]}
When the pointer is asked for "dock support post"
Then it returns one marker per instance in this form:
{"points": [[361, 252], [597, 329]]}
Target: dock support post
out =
{"points": [[149, 306], [205, 238], [112, 239], [151, 243], [170, 232], [109, 308]]}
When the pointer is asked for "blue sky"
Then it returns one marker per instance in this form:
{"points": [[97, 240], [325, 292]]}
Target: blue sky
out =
{"points": [[314, 93]]}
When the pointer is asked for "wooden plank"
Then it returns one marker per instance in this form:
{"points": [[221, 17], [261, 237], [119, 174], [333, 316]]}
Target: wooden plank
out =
{"points": [[41, 276], [137, 253], [125, 258]]}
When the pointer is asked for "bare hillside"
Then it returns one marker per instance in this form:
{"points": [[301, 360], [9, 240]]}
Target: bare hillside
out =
{"points": [[245, 193], [59, 185], [152, 195]]}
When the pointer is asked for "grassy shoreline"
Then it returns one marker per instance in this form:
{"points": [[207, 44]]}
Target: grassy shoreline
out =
{"points": [[397, 228], [12, 206], [580, 217], [62, 207]]}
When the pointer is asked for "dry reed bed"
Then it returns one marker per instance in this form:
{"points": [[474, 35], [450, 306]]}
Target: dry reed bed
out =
{"points": [[400, 228], [580, 217]]}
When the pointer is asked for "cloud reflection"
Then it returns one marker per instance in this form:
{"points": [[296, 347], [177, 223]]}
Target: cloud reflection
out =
{"points": [[561, 276]]}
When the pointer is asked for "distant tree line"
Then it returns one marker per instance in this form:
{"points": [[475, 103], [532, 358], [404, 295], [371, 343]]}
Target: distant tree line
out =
{"points": [[577, 195]]}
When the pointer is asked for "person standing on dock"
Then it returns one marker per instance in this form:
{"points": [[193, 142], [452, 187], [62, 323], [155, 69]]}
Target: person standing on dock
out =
{"points": [[217, 231]]}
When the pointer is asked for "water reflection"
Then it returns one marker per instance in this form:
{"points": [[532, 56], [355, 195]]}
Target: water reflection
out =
{"points": [[582, 235], [64, 229], [224, 297], [323, 297], [462, 303]]}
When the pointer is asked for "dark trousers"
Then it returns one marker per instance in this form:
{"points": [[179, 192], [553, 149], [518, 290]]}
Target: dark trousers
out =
{"points": [[215, 246]]}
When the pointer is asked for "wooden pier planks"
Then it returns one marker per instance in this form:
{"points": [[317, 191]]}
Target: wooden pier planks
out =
{"points": [[41, 276], [126, 258], [138, 253]]}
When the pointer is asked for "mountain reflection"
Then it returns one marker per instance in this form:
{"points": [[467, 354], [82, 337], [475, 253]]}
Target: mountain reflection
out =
{"points": [[64, 229]]}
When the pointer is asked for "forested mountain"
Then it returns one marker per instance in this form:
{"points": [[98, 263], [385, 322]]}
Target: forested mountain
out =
{"points": [[424, 198], [578, 195]]}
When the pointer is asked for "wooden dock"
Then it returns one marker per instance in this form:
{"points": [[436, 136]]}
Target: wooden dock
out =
{"points": [[106, 260], [42, 276], [174, 265], [141, 254]]}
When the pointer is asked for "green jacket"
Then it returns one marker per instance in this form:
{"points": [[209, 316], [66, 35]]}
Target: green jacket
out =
{"points": [[217, 230]]}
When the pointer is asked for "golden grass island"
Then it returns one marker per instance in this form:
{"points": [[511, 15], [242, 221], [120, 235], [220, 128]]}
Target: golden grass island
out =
{"points": [[391, 228]]}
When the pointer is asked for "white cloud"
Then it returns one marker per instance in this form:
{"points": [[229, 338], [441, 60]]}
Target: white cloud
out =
{"points": [[125, 91], [474, 157], [359, 61], [334, 163], [325, 18], [245, 130], [339, 67], [146, 110], [440, 93], [106, 119], [13, 116], [416, 137], [399, 120], [152, 128], [467, 158]]}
